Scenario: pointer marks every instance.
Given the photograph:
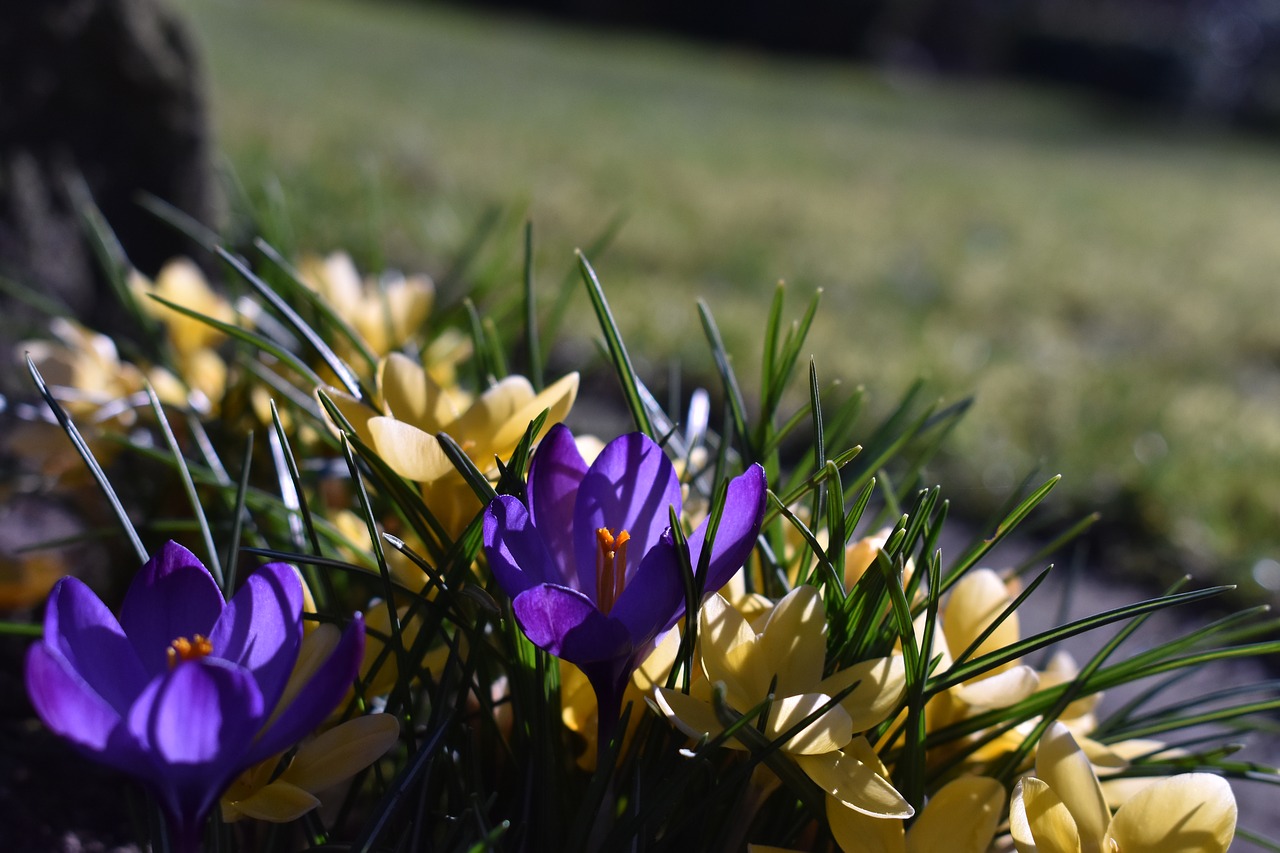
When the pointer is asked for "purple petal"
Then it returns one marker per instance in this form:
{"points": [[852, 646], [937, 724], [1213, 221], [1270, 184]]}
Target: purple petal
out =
{"points": [[65, 701], [261, 628], [172, 596], [196, 723], [518, 557], [630, 487], [555, 474], [315, 701], [736, 535], [653, 599], [89, 639], [569, 625]]}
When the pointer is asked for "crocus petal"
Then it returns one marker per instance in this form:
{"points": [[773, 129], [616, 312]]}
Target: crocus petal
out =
{"points": [[1000, 690], [567, 624], [653, 593], [739, 526], [172, 596], [1065, 768], [692, 716], [555, 473], [1039, 821], [492, 409], [727, 645], [855, 783], [316, 699], [407, 450], [261, 627], [195, 723], [961, 817], [827, 733], [65, 701], [517, 553], [410, 395], [1187, 813], [975, 602], [92, 644], [793, 644], [278, 802], [882, 682], [343, 751], [356, 412], [631, 486], [856, 832], [556, 400]]}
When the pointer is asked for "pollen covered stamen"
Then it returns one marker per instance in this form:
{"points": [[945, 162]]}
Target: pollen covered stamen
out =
{"points": [[611, 567], [183, 649]]}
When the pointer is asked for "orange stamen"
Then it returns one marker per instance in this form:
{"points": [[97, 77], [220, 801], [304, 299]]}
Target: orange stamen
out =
{"points": [[611, 567], [183, 649]]}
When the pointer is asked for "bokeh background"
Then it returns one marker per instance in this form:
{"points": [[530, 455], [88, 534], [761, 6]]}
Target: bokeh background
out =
{"points": [[1070, 211]]}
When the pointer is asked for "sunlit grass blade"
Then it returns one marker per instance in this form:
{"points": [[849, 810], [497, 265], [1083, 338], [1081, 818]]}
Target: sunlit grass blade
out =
{"points": [[239, 333], [317, 303], [238, 514], [339, 367], [82, 448], [1010, 521], [617, 350], [179, 462], [729, 382]]}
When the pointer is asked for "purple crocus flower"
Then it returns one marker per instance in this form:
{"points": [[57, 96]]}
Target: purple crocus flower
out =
{"points": [[181, 691], [591, 564]]}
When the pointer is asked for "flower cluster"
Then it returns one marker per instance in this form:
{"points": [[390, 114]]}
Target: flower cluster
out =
{"points": [[484, 632]]}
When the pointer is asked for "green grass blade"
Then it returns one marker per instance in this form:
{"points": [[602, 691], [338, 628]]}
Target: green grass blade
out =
{"points": [[617, 350], [82, 447]]}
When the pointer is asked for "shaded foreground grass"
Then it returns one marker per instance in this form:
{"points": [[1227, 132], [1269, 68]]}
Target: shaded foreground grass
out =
{"points": [[1105, 287]]}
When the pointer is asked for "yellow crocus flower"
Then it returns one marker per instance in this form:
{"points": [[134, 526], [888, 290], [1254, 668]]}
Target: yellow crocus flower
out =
{"points": [[1061, 809], [960, 817], [413, 408], [386, 312], [788, 655], [319, 764]]}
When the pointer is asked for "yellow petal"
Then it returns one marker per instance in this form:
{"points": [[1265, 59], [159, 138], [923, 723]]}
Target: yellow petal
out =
{"points": [[317, 646], [657, 666], [391, 312], [691, 716], [1000, 690], [856, 832], [410, 452], [793, 645], [279, 802], [341, 752], [1187, 813], [974, 604], [726, 641], [557, 398], [859, 556], [961, 817], [881, 685], [356, 412], [1039, 821], [855, 784], [410, 395], [1066, 769], [827, 733], [491, 411]]}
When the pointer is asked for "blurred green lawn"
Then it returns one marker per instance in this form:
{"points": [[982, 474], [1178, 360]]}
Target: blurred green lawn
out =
{"points": [[1106, 287]]}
